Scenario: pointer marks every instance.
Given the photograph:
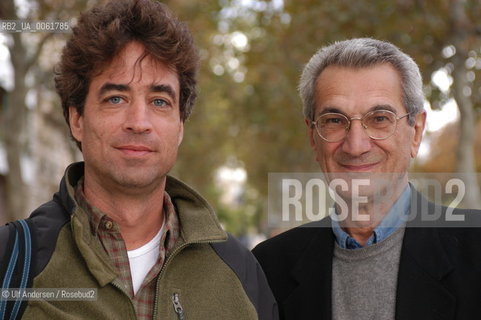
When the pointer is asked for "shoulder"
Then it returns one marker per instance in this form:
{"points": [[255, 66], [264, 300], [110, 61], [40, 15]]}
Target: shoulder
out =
{"points": [[44, 225], [453, 232], [296, 251], [250, 274], [291, 244], [46, 222], [239, 259], [282, 254], [465, 234], [4, 235], [448, 221], [231, 250], [424, 213]]}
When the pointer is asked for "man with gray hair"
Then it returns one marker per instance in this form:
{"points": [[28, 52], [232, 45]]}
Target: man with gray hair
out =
{"points": [[375, 256]]}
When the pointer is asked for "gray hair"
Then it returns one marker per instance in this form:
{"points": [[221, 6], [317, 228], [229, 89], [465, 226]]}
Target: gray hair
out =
{"points": [[359, 53]]}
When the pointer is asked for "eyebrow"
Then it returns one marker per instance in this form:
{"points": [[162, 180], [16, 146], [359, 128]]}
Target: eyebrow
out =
{"points": [[125, 88], [164, 88], [330, 110], [384, 107], [374, 108], [113, 87]]}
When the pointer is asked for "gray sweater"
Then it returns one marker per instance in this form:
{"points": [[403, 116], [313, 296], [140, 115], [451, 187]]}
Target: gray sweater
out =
{"points": [[364, 280]]}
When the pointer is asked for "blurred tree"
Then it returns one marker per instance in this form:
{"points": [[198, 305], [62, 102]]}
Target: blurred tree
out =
{"points": [[25, 49], [252, 53], [444, 143], [203, 149], [282, 39], [464, 35]]}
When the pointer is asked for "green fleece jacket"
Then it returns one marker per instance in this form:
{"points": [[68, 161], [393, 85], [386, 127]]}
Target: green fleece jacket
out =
{"points": [[209, 272]]}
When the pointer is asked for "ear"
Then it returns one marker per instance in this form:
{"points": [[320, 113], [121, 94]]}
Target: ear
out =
{"points": [[419, 124], [310, 131], [181, 133], [76, 123]]}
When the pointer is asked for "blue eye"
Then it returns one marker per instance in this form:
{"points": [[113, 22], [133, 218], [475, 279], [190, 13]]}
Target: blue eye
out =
{"points": [[115, 100], [159, 102]]}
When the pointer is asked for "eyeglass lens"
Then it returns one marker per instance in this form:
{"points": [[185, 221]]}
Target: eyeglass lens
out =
{"points": [[379, 124]]}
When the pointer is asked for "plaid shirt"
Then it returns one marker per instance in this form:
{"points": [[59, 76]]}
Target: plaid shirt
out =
{"points": [[108, 233]]}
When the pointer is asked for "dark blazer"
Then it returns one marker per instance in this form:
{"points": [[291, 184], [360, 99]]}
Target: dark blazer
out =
{"points": [[439, 272]]}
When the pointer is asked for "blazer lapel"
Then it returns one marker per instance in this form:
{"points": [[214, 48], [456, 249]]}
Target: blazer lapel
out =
{"points": [[311, 299], [423, 265], [420, 294]]}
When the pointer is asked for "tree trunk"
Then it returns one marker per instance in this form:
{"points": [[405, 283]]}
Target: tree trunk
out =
{"points": [[465, 153], [15, 124]]}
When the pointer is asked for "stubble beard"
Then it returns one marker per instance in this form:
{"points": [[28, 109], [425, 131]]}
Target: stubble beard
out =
{"points": [[133, 177]]}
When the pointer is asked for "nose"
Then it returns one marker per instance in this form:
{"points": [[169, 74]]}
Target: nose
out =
{"points": [[137, 119], [357, 141]]}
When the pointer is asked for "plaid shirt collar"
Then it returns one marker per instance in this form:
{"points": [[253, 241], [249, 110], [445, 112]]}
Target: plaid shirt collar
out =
{"points": [[108, 233], [98, 219]]}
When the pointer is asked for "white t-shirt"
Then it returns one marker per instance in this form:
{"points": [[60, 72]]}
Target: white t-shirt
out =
{"points": [[142, 259]]}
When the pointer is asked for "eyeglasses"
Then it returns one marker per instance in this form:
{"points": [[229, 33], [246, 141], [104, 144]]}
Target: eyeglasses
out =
{"points": [[379, 125]]}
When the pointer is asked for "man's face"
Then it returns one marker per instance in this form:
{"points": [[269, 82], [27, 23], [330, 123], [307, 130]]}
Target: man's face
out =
{"points": [[354, 92], [130, 130]]}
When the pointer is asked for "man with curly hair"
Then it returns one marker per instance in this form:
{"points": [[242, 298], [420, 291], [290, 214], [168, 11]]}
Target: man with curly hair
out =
{"points": [[148, 245]]}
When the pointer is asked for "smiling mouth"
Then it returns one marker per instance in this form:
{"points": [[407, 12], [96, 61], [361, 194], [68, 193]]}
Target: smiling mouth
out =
{"points": [[133, 150], [362, 167]]}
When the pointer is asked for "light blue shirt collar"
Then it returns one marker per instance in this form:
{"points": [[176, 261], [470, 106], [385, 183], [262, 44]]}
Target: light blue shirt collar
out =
{"points": [[395, 218]]}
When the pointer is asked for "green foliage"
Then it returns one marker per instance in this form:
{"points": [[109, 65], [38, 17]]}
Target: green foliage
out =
{"points": [[248, 107], [259, 120]]}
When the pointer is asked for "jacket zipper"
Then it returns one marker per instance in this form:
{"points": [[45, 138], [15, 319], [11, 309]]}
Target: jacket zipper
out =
{"points": [[178, 307], [174, 253], [130, 300], [160, 275]]}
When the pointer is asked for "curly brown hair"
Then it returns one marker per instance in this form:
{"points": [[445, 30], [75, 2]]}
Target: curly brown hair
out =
{"points": [[103, 31]]}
